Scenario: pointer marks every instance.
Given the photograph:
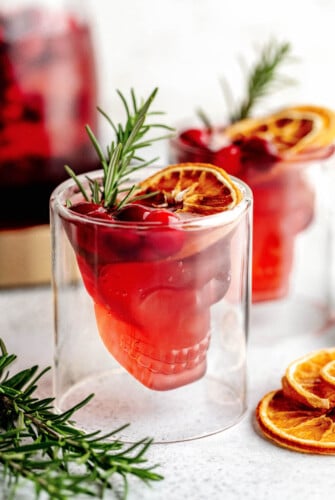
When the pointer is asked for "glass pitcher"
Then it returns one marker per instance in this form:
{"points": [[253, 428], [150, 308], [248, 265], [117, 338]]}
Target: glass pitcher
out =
{"points": [[48, 93]]}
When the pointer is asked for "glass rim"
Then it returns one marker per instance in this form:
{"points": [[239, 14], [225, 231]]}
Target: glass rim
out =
{"points": [[58, 199], [320, 154]]}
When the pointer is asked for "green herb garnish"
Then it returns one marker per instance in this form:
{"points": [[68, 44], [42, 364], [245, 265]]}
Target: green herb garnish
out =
{"points": [[50, 452], [262, 79], [122, 156]]}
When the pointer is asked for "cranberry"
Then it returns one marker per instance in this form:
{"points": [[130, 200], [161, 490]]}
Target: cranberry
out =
{"points": [[164, 239], [257, 151], [195, 137], [133, 212], [229, 158], [92, 210], [162, 216], [100, 213], [84, 207], [92, 239], [33, 107]]}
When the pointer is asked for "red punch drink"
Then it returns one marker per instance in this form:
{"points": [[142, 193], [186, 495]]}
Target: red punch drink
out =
{"points": [[271, 155], [154, 270], [47, 95], [151, 274]]}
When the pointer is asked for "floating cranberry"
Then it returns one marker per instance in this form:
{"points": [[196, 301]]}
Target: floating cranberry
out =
{"points": [[195, 137], [91, 239], [258, 152], [84, 207], [100, 213], [229, 158], [165, 239], [92, 210], [162, 216], [200, 142], [134, 212]]}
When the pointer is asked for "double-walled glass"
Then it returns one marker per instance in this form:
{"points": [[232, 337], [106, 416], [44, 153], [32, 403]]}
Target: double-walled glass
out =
{"points": [[291, 236], [152, 319]]}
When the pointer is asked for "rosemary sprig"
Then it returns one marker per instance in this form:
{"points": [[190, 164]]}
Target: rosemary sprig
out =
{"points": [[122, 157], [262, 79], [50, 452]]}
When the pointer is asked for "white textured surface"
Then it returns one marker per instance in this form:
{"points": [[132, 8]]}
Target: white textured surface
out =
{"points": [[235, 464]]}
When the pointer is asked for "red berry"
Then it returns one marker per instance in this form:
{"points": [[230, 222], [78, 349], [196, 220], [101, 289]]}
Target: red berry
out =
{"points": [[195, 137], [100, 213], [164, 239], [133, 212], [200, 140], [88, 238], [257, 152], [92, 210], [162, 216], [84, 207], [229, 158]]}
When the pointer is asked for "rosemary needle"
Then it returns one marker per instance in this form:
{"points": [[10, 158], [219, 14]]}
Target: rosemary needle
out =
{"points": [[122, 157], [261, 79], [50, 452]]}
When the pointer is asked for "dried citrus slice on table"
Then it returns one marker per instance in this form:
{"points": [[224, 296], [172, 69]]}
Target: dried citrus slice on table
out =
{"points": [[304, 383], [292, 130], [295, 426], [194, 188], [327, 373]]}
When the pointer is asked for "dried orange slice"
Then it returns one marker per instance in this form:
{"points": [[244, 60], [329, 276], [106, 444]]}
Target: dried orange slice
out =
{"points": [[327, 373], [294, 426], [292, 131], [303, 381], [195, 188]]}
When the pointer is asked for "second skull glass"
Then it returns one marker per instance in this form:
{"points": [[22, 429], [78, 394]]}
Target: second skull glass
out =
{"points": [[290, 269]]}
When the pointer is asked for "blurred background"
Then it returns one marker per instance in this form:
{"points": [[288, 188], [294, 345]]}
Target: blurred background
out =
{"points": [[51, 82], [186, 46]]}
